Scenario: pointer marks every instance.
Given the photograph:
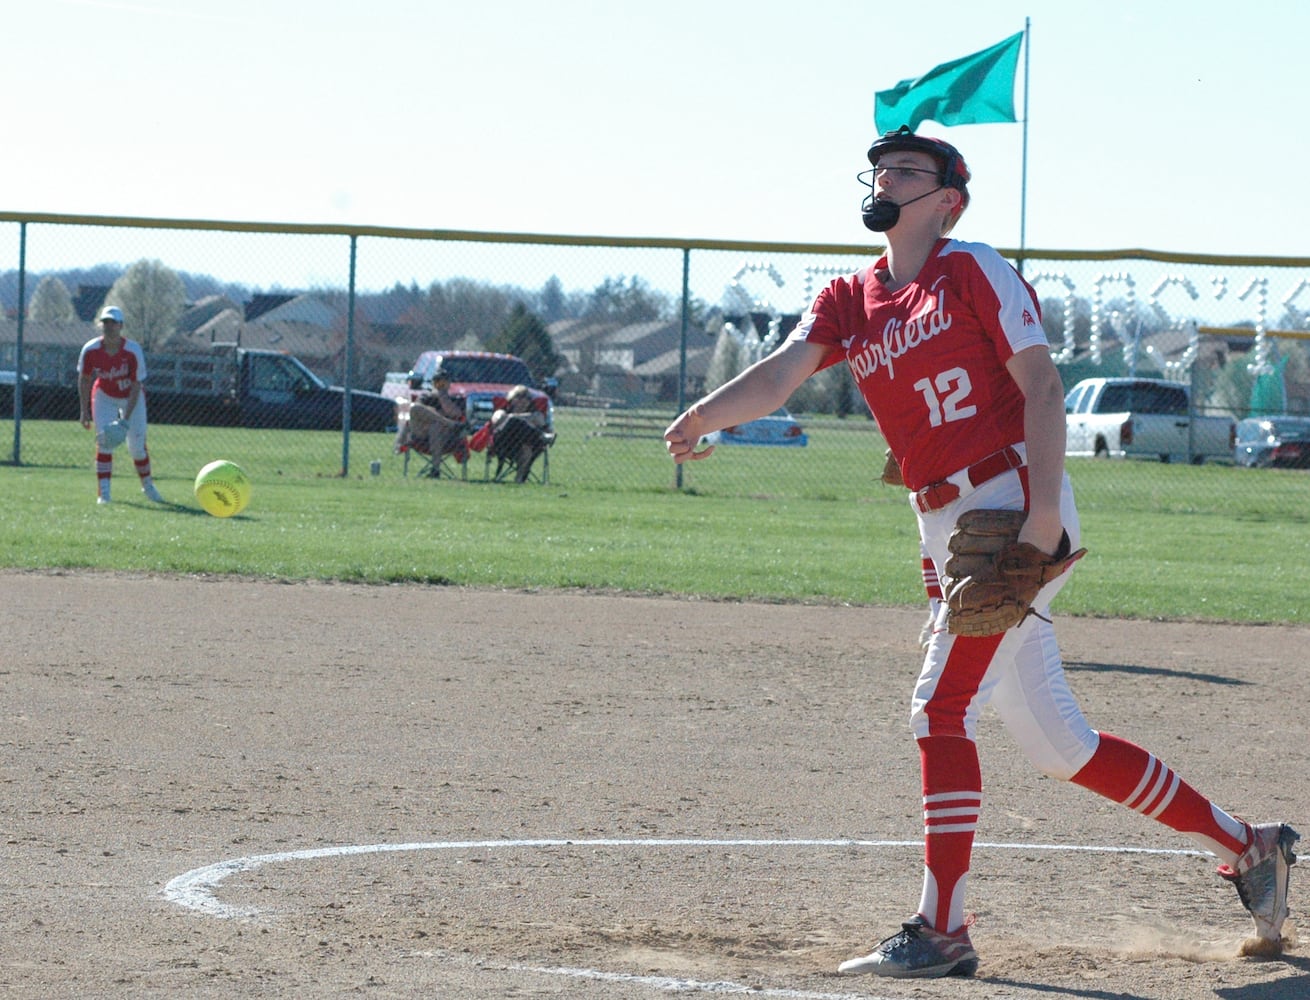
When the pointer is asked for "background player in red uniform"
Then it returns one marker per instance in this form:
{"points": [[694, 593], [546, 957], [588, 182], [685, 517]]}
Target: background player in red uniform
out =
{"points": [[110, 371], [945, 342]]}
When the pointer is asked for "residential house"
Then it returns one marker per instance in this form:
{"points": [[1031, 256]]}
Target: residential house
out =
{"points": [[659, 375], [632, 362], [50, 348]]}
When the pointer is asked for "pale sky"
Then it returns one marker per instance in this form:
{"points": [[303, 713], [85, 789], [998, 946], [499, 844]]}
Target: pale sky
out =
{"points": [[1165, 125]]}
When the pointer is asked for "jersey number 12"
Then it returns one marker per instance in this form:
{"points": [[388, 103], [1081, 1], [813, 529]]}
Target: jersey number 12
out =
{"points": [[945, 395]]}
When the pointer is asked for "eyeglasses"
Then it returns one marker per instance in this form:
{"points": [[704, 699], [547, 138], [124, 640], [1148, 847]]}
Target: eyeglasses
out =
{"points": [[903, 173]]}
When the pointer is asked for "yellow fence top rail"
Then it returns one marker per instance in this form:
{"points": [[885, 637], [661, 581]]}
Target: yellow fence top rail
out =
{"points": [[560, 239]]}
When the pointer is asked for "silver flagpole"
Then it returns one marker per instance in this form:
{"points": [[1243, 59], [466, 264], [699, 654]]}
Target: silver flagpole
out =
{"points": [[1023, 181]]}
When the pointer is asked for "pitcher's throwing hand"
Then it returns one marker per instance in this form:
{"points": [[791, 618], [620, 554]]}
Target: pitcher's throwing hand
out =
{"points": [[683, 436]]}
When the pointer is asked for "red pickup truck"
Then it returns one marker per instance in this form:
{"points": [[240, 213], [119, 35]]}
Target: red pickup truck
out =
{"points": [[477, 377]]}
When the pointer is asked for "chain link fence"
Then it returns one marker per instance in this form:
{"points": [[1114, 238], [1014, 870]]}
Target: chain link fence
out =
{"points": [[255, 333]]}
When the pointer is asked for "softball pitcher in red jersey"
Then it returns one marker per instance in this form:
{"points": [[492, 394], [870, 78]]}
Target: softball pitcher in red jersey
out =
{"points": [[944, 339]]}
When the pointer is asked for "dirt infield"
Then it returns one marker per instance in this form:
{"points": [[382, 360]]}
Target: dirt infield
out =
{"points": [[225, 788]]}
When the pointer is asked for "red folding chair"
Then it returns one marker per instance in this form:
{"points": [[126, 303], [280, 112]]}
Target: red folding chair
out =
{"points": [[504, 446], [456, 454]]}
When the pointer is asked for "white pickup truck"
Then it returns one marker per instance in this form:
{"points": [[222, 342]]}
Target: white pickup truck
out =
{"points": [[1142, 418]]}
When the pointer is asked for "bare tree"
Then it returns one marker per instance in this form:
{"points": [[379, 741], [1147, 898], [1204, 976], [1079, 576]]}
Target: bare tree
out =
{"points": [[631, 300], [152, 298], [460, 311]]}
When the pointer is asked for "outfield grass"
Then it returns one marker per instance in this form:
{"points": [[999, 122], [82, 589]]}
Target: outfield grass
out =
{"points": [[812, 524]]}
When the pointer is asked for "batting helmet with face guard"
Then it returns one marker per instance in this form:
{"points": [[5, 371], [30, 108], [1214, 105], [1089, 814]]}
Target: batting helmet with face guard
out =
{"points": [[955, 172]]}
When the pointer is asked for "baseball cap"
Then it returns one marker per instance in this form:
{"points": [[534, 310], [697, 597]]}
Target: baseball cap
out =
{"points": [[111, 312]]}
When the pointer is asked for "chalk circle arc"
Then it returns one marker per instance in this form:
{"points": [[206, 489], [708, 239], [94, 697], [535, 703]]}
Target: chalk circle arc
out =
{"points": [[196, 889]]}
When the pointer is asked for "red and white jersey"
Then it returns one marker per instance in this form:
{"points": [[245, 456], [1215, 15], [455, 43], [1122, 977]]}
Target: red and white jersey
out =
{"points": [[113, 373], [930, 358]]}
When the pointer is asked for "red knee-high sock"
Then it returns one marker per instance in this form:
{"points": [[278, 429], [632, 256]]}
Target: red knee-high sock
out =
{"points": [[952, 798], [143, 466], [932, 584], [104, 466], [1127, 774]]}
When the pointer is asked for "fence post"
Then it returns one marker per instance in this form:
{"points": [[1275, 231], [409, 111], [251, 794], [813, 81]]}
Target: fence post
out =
{"points": [[1193, 405], [682, 346], [18, 345], [350, 362]]}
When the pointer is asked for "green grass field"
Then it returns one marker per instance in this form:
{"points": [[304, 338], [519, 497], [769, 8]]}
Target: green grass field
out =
{"points": [[812, 524]]}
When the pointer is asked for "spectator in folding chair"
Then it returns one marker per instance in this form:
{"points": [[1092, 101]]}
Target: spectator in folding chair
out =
{"points": [[437, 424], [518, 434]]}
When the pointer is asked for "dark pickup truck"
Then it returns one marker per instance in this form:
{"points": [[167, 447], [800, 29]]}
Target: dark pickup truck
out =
{"points": [[229, 386]]}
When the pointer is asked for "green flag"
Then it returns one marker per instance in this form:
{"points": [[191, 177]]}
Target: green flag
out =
{"points": [[1269, 391], [972, 90]]}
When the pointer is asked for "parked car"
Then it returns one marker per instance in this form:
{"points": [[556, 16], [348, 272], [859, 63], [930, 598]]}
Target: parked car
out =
{"points": [[1281, 441], [779, 428], [9, 379]]}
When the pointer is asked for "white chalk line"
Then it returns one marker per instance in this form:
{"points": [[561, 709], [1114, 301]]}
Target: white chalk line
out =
{"points": [[663, 983], [195, 890]]}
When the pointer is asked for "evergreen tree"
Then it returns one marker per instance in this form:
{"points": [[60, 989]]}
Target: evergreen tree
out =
{"points": [[554, 303], [525, 336], [847, 399]]}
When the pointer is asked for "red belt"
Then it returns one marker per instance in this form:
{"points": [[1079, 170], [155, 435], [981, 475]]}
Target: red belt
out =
{"points": [[937, 495]]}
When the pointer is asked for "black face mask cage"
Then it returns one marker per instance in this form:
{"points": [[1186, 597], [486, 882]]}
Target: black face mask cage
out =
{"points": [[880, 215]]}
